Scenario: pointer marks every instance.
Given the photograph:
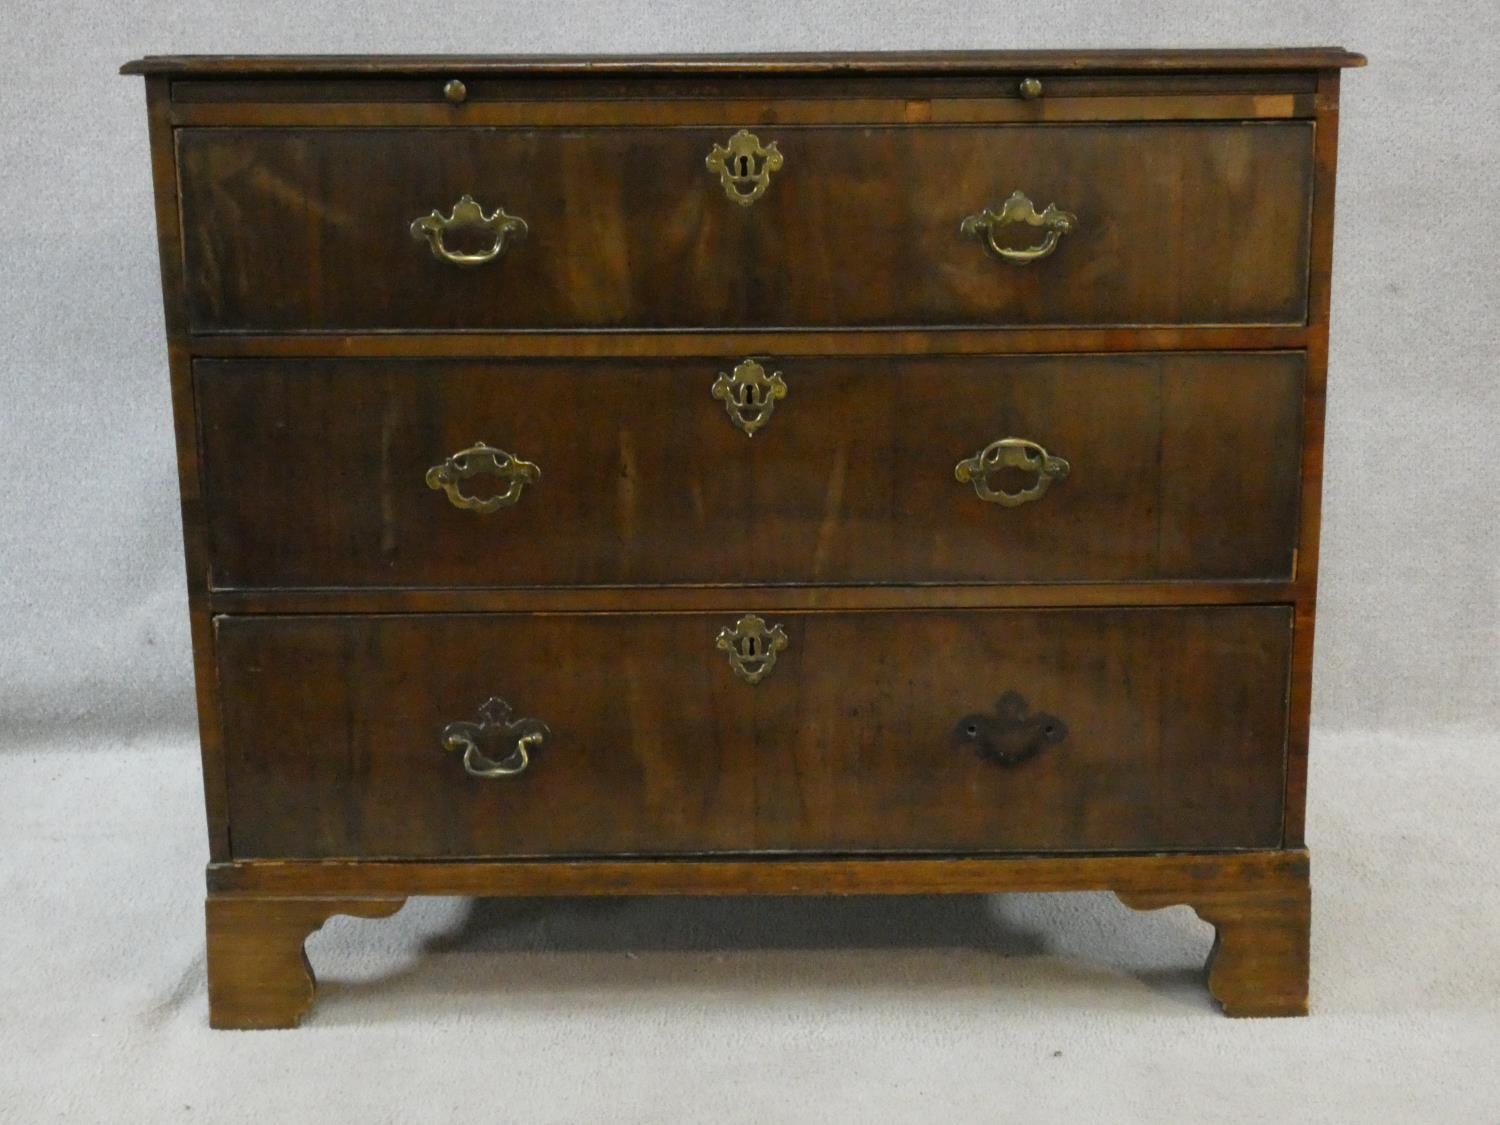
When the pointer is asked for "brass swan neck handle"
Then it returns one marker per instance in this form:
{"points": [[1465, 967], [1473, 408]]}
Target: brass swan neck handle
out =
{"points": [[469, 215], [1019, 209], [1011, 453]]}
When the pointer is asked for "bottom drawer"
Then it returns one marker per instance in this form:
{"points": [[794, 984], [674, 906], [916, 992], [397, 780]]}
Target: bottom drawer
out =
{"points": [[987, 731]]}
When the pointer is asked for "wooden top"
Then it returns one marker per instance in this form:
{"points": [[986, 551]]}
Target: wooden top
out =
{"points": [[901, 63]]}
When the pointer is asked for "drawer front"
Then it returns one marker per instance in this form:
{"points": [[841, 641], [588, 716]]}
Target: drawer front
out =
{"points": [[1178, 466], [1057, 730], [310, 229]]}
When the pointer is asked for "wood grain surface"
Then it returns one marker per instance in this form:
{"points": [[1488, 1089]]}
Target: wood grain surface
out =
{"points": [[1181, 467], [289, 229], [1172, 733]]}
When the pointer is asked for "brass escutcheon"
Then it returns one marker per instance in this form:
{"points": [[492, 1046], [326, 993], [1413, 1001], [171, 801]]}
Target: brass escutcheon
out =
{"points": [[494, 726], [469, 215], [752, 647], [1019, 209], [749, 395], [744, 167], [1012, 453], [480, 458]]}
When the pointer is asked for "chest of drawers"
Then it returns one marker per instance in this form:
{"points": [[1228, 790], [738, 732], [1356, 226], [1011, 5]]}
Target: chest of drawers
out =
{"points": [[796, 475]]}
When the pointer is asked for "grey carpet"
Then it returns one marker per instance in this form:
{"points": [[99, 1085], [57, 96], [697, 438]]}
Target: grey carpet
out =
{"points": [[1025, 1008]]}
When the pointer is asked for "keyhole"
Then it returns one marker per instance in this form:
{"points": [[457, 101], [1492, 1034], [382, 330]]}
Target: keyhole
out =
{"points": [[742, 166]]}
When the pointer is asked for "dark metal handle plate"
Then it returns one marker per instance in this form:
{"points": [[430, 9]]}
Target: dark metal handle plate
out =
{"points": [[1012, 734]]}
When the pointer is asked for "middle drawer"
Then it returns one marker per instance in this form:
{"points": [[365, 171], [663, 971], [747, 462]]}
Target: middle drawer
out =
{"points": [[1134, 467]]}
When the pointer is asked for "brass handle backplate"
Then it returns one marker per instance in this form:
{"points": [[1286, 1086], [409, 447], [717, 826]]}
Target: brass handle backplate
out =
{"points": [[494, 727], [469, 215], [1011, 453], [1010, 736], [749, 395], [744, 166], [752, 647], [1018, 209], [480, 458]]}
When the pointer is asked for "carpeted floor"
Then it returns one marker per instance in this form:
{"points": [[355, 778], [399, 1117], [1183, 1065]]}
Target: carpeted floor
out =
{"points": [[1024, 1008]]}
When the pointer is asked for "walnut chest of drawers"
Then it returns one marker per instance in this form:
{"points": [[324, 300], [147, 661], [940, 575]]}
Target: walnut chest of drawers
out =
{"points": [[799, 474]]}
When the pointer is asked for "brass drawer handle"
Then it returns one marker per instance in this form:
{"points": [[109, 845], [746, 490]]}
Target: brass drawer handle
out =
{"points": [[752, 647], [749, 395], [1011, 453], [480, 458], [1019, 209], [744, 166], [468, 215], [1010, 736], [494, 726]]}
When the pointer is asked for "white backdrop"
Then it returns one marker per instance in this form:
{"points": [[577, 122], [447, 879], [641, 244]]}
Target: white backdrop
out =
{"points": [[1042, 1009], [91, 580]]}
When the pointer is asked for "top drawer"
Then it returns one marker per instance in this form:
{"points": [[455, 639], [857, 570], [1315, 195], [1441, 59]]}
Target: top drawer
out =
{"points": [[291, 229]]}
